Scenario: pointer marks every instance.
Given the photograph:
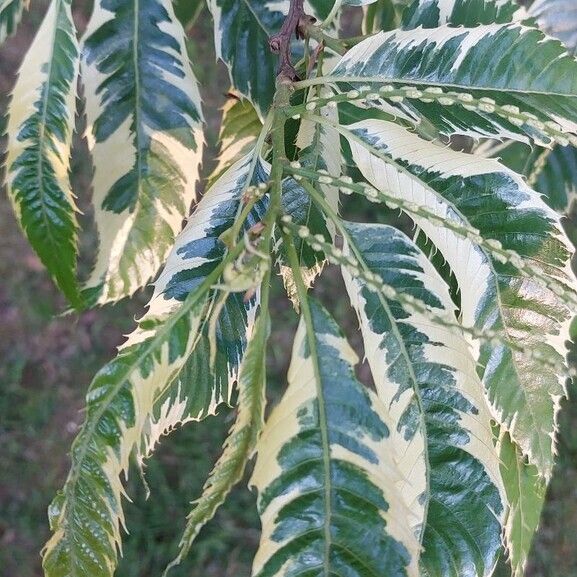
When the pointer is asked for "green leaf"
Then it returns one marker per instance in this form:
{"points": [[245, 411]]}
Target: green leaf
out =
{"points": [[325, 471], [241, 32], [161, 378], [242, 438], [559, 19], [425, 374], [10, 15], [526, 496], [468, 13], [557, 180], [320, 8], [319, 150], [39, 140], [143, 107], [552, 172], [187, 12], [496, 296], [239, 131], [535, 99], [382, 15], [86, 515]]}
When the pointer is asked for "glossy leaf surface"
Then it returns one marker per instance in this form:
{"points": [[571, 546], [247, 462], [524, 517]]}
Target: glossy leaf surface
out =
{"points": [[324, 472], [39, 132], [143, 110]]}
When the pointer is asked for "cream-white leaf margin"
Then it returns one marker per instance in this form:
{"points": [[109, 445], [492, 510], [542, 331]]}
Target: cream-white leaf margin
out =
{"points": [[116, 156], [465, 258], [295, 409], [10, 15], [39, 129], [446, 347]]}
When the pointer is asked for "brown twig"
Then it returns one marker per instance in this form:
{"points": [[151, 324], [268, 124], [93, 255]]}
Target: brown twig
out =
{"points": [[281, 43]]}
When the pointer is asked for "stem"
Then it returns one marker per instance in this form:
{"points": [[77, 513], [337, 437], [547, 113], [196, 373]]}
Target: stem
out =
{"points": [[309, 29], [310, 332], [302, 26], [321, 202], [279, 158], [281, 43]]}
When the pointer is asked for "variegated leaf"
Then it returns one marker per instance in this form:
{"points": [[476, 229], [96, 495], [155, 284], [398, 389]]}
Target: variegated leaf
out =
{"points": [[468, 13], [241, 441], [533, 99], [241, 32], [525, 496], [485, 196], [10, 15], [161, 378], [552, 172], [319, 150], [39, 140], [144, 118], [197, 252], [325, 471], [559, 19], [425, 375], [86, 515], [239, 131]]}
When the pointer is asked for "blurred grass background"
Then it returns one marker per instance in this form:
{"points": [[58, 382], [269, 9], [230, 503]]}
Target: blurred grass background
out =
{"points": [[47, 361]]}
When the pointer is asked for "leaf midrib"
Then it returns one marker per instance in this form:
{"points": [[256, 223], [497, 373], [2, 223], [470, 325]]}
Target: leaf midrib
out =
{"points": [[414, 385], [375, 152], [323, 423], [41, 174], [310, 337], [139, 147], [258, 21], [154, 342]]}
